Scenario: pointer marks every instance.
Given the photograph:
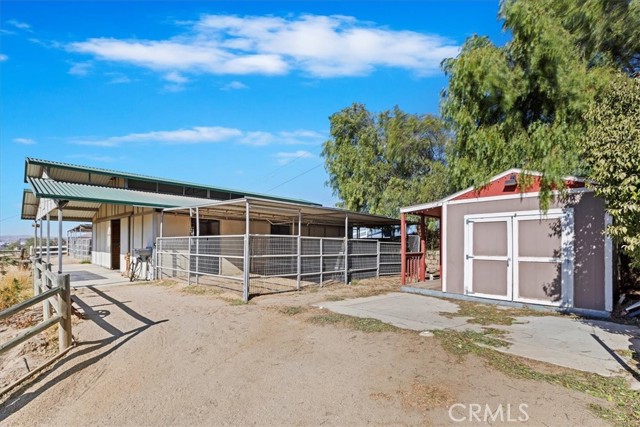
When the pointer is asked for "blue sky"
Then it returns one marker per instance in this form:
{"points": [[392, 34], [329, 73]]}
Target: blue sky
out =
{"points": [[235, 94]]}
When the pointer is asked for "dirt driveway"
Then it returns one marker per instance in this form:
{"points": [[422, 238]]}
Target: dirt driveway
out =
{"points": [[159, 355]]}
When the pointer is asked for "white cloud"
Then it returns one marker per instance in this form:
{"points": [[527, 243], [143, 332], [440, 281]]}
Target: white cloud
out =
{"points": [[207, 135], [175, 77], [319, 46], [80, 68], [3, 57], [118, 78], [24, 141], [234, 85], [195, 135], [286, 157], [19, 25]]}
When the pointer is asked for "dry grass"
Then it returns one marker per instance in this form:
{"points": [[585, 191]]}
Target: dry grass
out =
{"points": [[623, 409], [489, 314], [16, 285], [424, 397], [367, 325]]}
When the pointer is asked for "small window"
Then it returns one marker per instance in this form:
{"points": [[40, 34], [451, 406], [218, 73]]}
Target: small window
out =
{"points": [[281, 229]]}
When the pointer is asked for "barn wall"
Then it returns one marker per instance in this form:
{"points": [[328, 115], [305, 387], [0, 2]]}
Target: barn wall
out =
{"points": [[588, 244], [138, 229], [176, 225]]}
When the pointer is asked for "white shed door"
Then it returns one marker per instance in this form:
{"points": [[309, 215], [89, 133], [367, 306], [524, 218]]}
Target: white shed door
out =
{"points": [[520, 256]]}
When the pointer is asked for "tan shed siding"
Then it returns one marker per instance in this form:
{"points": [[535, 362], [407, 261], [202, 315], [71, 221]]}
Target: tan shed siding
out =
{"points": [[589, 253], [455, 233], [589, 243], [490, 238], [490, 277]]}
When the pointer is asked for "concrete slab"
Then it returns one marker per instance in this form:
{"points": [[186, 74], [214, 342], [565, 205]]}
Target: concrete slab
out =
{"points": [[405, 311], [83, 275], [581, 344], [569, 342]]}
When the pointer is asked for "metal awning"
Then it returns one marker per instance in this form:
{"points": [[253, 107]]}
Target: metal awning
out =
{"points": [[278, 211], [84, 200]]}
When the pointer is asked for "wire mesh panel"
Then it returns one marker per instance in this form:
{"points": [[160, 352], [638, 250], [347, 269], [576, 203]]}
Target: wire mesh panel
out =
{"points": [[215, 260], [390, 258], [274, 263], [363, 258], [172, 257], [80, 248]]}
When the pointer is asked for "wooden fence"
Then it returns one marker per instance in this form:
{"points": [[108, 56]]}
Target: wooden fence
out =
{"points": [[54, 292]]}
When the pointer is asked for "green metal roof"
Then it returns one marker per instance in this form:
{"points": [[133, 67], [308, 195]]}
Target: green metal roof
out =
{"points": [[50, 189], [29, 172]]}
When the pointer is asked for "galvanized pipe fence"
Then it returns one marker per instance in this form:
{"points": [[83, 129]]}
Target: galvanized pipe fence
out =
{"points": [[276, 263], [80, 248]]}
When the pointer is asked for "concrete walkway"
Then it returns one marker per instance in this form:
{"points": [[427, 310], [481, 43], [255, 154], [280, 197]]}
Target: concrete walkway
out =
{"points": [[83, 275], [582, 344]]}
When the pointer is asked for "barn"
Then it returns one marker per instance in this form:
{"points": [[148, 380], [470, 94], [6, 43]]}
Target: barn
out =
{"points": [[496, 244], [251, 242]]}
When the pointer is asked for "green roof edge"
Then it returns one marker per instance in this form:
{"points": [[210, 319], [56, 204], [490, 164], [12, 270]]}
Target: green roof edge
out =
{"points": [[88, 169]]}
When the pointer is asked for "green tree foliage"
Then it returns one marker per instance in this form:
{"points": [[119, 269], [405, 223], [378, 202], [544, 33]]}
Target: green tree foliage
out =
{"points": [[377, 163], [612, 148], [524, 104]]}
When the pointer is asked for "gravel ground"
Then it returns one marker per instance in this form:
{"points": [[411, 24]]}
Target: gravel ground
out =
{"points": [[158, 356]]}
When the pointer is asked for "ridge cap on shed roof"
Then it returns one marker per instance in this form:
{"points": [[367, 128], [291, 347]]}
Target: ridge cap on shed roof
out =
{"points": [[121, 174]]}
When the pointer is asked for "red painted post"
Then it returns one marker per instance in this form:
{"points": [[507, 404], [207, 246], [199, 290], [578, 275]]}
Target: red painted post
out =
{"points": [[403, 248], [423, 249]]}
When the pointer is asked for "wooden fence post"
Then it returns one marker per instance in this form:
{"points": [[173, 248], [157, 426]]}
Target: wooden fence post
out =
{"points": [[64, 307]]}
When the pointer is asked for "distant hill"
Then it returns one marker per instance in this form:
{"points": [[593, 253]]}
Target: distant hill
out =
{"points": [[13, 238]]}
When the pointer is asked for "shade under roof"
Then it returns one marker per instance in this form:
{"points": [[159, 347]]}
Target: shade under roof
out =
{"points": [[274, 210]]}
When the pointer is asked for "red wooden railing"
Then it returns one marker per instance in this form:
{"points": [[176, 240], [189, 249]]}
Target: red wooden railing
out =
{"points": [[412, 268]]}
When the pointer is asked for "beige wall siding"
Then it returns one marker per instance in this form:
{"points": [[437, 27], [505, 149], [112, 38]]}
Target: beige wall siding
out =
{"points": [[230, 227], [176, 225], [589, 253], [588, 246]]}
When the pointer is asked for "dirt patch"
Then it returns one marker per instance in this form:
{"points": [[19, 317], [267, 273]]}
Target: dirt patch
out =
{"points": [[424, 397], [155, 355]]}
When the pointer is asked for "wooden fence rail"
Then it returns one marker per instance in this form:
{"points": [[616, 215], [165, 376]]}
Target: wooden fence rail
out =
{"points": [[54, 291]]}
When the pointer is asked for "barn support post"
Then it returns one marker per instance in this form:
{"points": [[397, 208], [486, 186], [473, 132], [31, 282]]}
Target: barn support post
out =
{"points": [[403, 248], [299, 242], [321, 261], [161, 223], [423, 248], [189, 261], [32, 250], [378, 259], [40, 243], [247, 254], [49, 239], [197, 245], [346, 249], [61, 204]]}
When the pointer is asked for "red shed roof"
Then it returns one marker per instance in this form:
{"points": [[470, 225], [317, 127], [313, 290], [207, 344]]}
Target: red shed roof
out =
{"points": [[504, 184]]}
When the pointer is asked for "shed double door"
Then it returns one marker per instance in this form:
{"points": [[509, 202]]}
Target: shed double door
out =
{"points": [[520, 256]]}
